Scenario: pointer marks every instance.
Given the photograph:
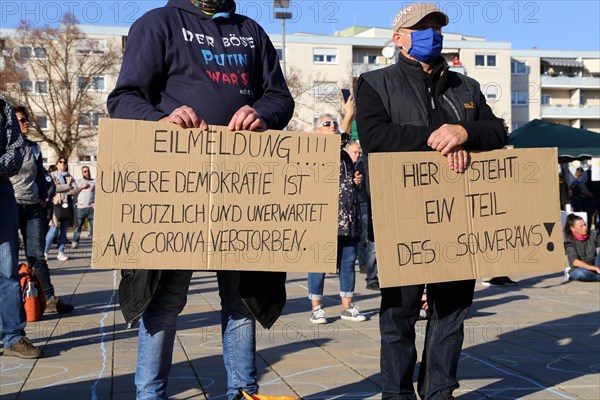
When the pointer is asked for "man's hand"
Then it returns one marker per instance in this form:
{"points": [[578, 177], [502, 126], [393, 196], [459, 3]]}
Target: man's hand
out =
{"points": [[247, 118], [185, 117], [447, 137], [458, 159], [357, 179], [84, 185]]}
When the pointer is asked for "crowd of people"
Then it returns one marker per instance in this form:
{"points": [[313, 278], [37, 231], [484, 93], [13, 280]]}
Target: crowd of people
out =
{"points": [[163, 79]]}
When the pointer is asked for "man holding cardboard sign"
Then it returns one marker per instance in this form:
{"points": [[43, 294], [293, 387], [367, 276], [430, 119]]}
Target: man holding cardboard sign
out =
{"points": [[417, 105], [194, 63]]}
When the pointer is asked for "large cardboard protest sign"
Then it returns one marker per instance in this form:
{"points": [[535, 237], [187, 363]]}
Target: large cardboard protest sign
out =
{"points": [[500, 217], [174, 198]]}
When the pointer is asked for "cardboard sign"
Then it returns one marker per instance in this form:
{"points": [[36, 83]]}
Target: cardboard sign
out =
{"points": [[174, 198], [501, 217]]}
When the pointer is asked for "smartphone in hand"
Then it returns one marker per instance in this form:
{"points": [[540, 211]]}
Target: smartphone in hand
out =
{"points": [[345, 94]]}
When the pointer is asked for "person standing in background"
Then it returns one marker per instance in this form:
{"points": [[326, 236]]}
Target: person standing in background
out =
{"points": [[85, 204], [66, 188], [30, 188], [12, 312]]}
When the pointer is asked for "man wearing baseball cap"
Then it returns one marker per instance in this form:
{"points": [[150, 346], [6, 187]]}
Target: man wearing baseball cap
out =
{"points": [[418, 104]]}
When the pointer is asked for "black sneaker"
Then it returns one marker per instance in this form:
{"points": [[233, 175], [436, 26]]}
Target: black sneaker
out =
{"points": [[23, 349], [373, 285], [55, 305], [493, 282]]}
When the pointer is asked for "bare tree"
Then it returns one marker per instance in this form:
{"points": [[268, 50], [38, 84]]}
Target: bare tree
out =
{"points": [[58, 72], [313, 92]]}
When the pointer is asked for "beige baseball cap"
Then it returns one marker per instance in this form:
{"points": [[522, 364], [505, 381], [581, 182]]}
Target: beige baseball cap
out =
{"points": [[412, 14]]}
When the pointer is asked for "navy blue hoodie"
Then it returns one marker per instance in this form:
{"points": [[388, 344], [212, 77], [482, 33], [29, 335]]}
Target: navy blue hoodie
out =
{"points": [[177, 55]]}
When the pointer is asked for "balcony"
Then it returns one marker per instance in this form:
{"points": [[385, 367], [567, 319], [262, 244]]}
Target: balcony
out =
{"points": [[361, 68], [571, 112], [457, 68], [568, 82]]}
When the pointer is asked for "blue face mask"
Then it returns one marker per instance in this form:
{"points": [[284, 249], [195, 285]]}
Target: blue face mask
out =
{"points": [[426, 45]]}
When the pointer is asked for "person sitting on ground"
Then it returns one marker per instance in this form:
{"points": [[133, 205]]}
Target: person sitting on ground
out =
{"points": [[348, 235], [580, 247]]}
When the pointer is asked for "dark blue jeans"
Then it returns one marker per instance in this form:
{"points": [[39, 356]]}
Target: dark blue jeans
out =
{"points": [[12, 313], [82, 215], [449, 303], [366, 252], [32, 223], [158, 328], [346, 255]]}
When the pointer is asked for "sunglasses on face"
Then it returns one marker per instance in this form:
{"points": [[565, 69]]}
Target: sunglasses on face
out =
{"points": [[329, 123], [22, 120], [61, 162]]}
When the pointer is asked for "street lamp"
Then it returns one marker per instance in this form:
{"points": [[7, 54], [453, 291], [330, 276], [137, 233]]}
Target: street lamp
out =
{"points": [[282, 15]]}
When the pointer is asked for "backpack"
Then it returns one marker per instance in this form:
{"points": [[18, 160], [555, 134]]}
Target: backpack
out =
{"points": [[34, 306]]}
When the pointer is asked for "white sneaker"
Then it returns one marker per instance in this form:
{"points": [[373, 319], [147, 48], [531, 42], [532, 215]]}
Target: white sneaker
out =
{"points": [[62, 257], [352, 314], [317, 315]]}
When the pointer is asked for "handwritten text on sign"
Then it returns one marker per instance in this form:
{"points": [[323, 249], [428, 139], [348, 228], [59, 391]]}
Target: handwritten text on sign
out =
{"points": [[500, 214], [191, 199]]}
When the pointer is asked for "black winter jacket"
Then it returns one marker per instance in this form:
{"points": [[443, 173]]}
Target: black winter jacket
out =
{"points": [[398, 108]]}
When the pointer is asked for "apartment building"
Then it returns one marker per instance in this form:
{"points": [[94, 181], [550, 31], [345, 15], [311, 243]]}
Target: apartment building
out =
{"points": [[98, 38], [558, 86], [519, 85]]}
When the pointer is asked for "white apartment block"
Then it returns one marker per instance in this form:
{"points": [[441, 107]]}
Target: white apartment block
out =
{"points": [[520, 85]]}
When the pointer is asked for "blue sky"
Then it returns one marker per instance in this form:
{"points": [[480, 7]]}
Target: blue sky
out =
{"points": [[547, 24]]}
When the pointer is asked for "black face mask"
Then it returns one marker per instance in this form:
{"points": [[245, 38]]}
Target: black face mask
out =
{"points": [[209, 6]]}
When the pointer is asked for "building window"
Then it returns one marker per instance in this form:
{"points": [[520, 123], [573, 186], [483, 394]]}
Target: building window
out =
{"points": [[91, 83], [546, 100], [519, 98], [90, 119], [325, 91], [32, 52], [85, 159], [25, 52], [40, 53], [518, 68], [365, 57], [485, 60], [91, 46], [41, 87], [582, 100], [324, 56], [279, 51], [42, 121], [27, 86]]}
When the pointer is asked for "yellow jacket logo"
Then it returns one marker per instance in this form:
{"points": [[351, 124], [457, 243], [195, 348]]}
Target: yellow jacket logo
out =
{"points": [[469, 105]]}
